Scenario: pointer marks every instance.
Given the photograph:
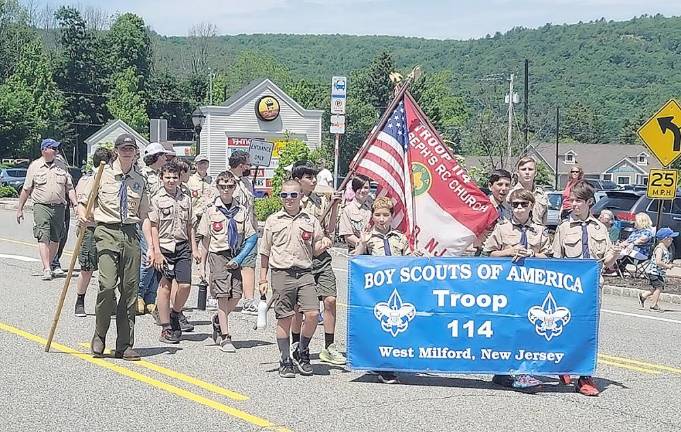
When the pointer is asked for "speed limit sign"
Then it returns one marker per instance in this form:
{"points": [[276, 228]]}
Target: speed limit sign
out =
{"points": [[662, 183]]}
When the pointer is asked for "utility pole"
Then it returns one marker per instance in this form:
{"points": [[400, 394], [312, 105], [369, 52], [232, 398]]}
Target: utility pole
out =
{"points": [[526, 101], [510, 120], [555, 167], [210, 87]]}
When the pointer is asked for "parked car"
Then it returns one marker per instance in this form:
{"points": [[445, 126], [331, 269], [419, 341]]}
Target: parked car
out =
{"points": [[14, 177], [635, 187], [603, 185], [553, 214], [626, 204]]}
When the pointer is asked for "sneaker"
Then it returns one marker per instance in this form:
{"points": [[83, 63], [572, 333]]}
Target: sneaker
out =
{"points": [[565, 379], [286, 369], [156, 317], [503, 380], [302, 362], [587, 387], [184, 324], [212, 304], [216, 329], [295, 356], [47, 275], [525, 382], [80, 310], [250, 307], [387, 377], [175, 324], [141, 307], [656, 308], [332, 356], [641, 300], [226, 345], [58, 272], [168, 336], [320, 319]]}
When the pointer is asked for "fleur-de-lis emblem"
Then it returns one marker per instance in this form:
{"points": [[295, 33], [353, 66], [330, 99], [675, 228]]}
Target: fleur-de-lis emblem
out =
{"points": [[549, 319], [394, 315]]}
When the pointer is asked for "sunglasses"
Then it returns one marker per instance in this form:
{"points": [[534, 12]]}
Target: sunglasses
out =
{"points": [[523, 204], [284, 195], [574, 172], [226, 187]]}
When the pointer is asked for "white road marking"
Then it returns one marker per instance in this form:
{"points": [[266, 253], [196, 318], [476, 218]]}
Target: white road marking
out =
{"points": [[641, 316], [19, 258]]}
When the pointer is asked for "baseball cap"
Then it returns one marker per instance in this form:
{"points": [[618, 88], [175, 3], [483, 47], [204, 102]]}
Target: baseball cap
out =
{"points": [[665, 232], [49, 143], [201, 158], [154, 148], [125, 139]]}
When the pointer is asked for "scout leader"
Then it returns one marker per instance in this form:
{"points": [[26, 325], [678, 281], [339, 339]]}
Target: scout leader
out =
{"points": [[173, 248], [582, 236], [291, 238], [199, 185], [122, 202], [518, 237], [325, 279], [227, 238]]}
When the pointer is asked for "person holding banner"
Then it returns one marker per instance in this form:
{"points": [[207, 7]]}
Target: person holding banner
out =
{"points": [[325, 279], [518, 237], [582, 236], [526, 169], [290, 240], [356, 213]]}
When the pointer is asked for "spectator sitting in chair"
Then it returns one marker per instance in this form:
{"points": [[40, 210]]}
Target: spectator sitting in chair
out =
{"points": [[607, 218], [640, 242]]}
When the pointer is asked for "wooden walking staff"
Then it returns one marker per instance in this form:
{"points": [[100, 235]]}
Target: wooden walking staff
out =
{"points": [[76, 250]]}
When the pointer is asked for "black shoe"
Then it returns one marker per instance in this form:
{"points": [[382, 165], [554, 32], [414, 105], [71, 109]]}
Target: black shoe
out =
{"points": [[175, 324], [302, 361], [184, 324], [168, 336], [80, 310], [129, 354], [216, 329], [286, 369], [503, 380], [387, 377], [97, 346]]}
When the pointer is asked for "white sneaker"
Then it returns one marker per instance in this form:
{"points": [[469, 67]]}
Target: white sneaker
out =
{"points": [[211, 304], [227, 346], [249, 307], [47, 275], [58, 272]]}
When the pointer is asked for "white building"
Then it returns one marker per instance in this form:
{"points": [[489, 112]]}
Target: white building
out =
{"points": [[108, 134], [260, 110]]}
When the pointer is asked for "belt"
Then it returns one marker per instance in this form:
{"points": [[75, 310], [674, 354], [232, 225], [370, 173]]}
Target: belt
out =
{"points": [[116, 225], [294, 271], [52, 205]]}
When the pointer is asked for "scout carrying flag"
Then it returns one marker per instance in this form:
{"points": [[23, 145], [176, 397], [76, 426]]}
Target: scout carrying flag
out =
{"points": [[436, 203]]}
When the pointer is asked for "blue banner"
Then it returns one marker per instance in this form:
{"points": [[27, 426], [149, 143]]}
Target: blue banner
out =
{"points": [[473, 315]]}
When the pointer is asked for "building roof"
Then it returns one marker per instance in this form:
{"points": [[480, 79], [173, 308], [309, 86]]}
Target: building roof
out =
{"points": [[111, 126]]}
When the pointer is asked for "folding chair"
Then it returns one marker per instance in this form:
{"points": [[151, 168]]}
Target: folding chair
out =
{"points": [[640, 265]]}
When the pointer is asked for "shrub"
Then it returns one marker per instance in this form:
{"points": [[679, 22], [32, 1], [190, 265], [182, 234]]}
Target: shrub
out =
{"points": [[8, 192], [266, 206]]}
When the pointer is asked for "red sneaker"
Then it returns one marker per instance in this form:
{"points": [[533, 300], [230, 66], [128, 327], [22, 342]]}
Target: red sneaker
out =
{"points": [[587, 387], [565, 379]]}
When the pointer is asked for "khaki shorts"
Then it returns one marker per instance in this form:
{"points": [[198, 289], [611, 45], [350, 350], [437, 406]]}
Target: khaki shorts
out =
{"points": [[324, 277], [48, 222], [224, 282], [88, 252], [293, 287]]}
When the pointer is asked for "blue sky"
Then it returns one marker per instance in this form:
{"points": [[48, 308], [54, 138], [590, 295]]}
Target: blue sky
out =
{"points": [[455, 19]]}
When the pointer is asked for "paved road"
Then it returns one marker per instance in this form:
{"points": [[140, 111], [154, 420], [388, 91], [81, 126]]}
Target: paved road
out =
{"points": [[194, 386]]}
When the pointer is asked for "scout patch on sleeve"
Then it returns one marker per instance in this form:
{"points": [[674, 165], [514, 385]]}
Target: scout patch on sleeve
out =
{"points": [[217, 226], [305, 235]]}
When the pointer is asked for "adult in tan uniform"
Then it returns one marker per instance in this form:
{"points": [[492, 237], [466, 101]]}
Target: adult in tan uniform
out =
{"points": [[199, 185], [527, 174], [49, 184], [357, 213], [122, 202]]}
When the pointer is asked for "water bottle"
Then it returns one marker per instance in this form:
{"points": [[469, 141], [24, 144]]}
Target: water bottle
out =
{"points": [[261, 323], [203, 293]]}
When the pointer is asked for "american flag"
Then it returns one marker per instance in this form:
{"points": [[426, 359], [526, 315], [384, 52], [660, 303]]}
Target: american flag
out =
{"points": [[386, 162]]}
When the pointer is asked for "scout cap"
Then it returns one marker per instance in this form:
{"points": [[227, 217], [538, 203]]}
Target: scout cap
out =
{"points": [[154, 148], [665, 233], [125, 139], [201, 158], [49, 143]]}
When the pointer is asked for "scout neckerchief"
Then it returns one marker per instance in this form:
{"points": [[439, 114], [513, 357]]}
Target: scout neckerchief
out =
{"points": [[232, 233]]}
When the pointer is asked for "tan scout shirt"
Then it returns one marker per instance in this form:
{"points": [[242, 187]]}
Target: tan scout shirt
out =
{"points": [[354, 218], [289, 240], [107, 205], [48, 184], [567, 241], [201, 193], [83, 191], [541, 204], [244, 195], [507, 234], [316, 204], [399, 245], [171, 214], [214, 224], [153, 179]]}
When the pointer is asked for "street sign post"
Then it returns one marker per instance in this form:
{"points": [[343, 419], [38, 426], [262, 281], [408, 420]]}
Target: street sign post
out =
{"points": [[662, 184], [339, 91], [661, 133], [260, 152], [337, 124]]}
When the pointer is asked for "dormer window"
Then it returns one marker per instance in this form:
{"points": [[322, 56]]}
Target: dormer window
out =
{"points": [[570, 157], [642, 159]]}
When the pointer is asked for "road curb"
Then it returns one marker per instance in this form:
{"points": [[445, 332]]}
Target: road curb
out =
{"points": [[633, 293], [11, 204]]}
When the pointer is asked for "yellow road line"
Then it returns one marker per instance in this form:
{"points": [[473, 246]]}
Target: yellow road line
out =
{"points": [[185, 378], [640, 363], [626, 366], [241, 415], [66, 251]]}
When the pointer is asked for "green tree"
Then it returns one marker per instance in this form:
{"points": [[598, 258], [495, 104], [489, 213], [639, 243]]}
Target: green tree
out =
{"points": [[294, 150], [582, 124], [249, 66], [14, 33], [166, 99], [373, 84], [126, 101], [129, 46]]}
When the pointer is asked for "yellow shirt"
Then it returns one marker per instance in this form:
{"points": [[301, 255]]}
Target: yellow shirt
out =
{"points": [[214, 224], [289, 240], [48, 183], [171, 214]]}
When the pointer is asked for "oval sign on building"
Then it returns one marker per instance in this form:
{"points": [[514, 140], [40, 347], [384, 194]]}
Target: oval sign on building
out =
{"points": [[267, 108]]}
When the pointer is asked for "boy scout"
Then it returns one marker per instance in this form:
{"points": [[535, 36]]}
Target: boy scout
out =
{"points": [[291, 238], [498, 183], [122, 202], [518, 237], [325, 279], [199, 185], [48, 183], [227, 237], [88, 250], [582, 236], [527, 174], [174, 246], [356, 213]]}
